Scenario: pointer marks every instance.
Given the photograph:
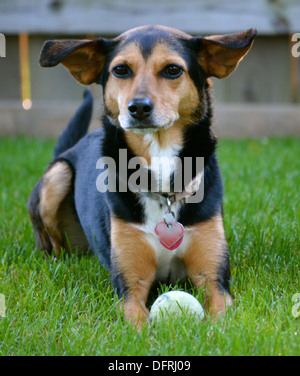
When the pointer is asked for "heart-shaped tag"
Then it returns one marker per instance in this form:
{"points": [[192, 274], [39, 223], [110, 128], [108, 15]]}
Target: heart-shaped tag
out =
{"points": [[170, 237]]}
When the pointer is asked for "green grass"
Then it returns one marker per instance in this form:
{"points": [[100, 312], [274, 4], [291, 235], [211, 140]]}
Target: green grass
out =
{"points": [[67, 306]]}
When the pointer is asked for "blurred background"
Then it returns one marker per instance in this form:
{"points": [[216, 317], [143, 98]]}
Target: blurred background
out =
{"points": [[260, 99]]}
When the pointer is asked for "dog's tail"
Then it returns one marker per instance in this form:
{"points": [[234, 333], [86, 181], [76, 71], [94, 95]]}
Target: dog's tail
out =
{"points": [[77, 127]]}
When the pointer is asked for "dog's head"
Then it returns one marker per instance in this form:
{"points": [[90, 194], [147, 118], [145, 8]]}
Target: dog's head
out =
{"points": [[152, 76]]}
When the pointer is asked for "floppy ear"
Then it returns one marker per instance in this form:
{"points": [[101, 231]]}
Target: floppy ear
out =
{"points": [[218, 55], [83, 58]]}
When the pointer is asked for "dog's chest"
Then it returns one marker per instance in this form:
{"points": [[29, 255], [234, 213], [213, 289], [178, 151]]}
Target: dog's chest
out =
{"points": [[170, 266]]}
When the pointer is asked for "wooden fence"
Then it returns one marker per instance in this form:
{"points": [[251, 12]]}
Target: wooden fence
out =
{"points": [[115, 16], [268, 79]]}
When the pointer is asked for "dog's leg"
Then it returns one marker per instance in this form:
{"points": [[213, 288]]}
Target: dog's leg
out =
{"points": [[53, 213], [133, 269], [42, 239], [207, 264], [56, 185]]}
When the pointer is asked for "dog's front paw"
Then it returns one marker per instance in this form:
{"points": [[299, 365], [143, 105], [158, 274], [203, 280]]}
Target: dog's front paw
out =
{"points": [[135, 312]]}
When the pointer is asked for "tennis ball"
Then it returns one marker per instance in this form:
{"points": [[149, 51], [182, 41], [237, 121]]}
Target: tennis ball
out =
{"points": [[174, 304]]}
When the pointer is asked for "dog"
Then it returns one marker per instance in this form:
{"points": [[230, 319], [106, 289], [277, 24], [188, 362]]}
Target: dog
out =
{"points": [[157, 103]]}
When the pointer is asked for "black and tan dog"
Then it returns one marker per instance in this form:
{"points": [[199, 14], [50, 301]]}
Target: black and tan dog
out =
{"points": [[157, 104]]}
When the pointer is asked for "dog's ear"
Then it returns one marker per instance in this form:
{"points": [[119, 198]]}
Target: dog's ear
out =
{"points": [[218, 55], [83, 58]]}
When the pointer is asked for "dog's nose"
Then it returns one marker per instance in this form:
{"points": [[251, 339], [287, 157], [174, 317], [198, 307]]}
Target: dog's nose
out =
{"points": [[140, 108]]}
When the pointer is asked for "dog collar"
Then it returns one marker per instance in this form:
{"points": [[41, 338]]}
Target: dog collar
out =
{"points": [[170, 198]]}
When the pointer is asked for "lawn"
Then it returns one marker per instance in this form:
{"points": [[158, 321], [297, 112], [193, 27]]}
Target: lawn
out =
{"points": [[67, 306]]}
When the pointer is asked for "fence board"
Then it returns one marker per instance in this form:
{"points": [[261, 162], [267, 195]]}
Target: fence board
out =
{"points": [[48, 119], [115, 16]]}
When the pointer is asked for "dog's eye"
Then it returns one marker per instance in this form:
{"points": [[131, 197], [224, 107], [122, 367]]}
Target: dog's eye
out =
{"points": [[172, 71], [121, 71]]}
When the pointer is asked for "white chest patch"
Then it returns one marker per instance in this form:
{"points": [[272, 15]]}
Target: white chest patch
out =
{"points": [[169, 262], [163, 162]]}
